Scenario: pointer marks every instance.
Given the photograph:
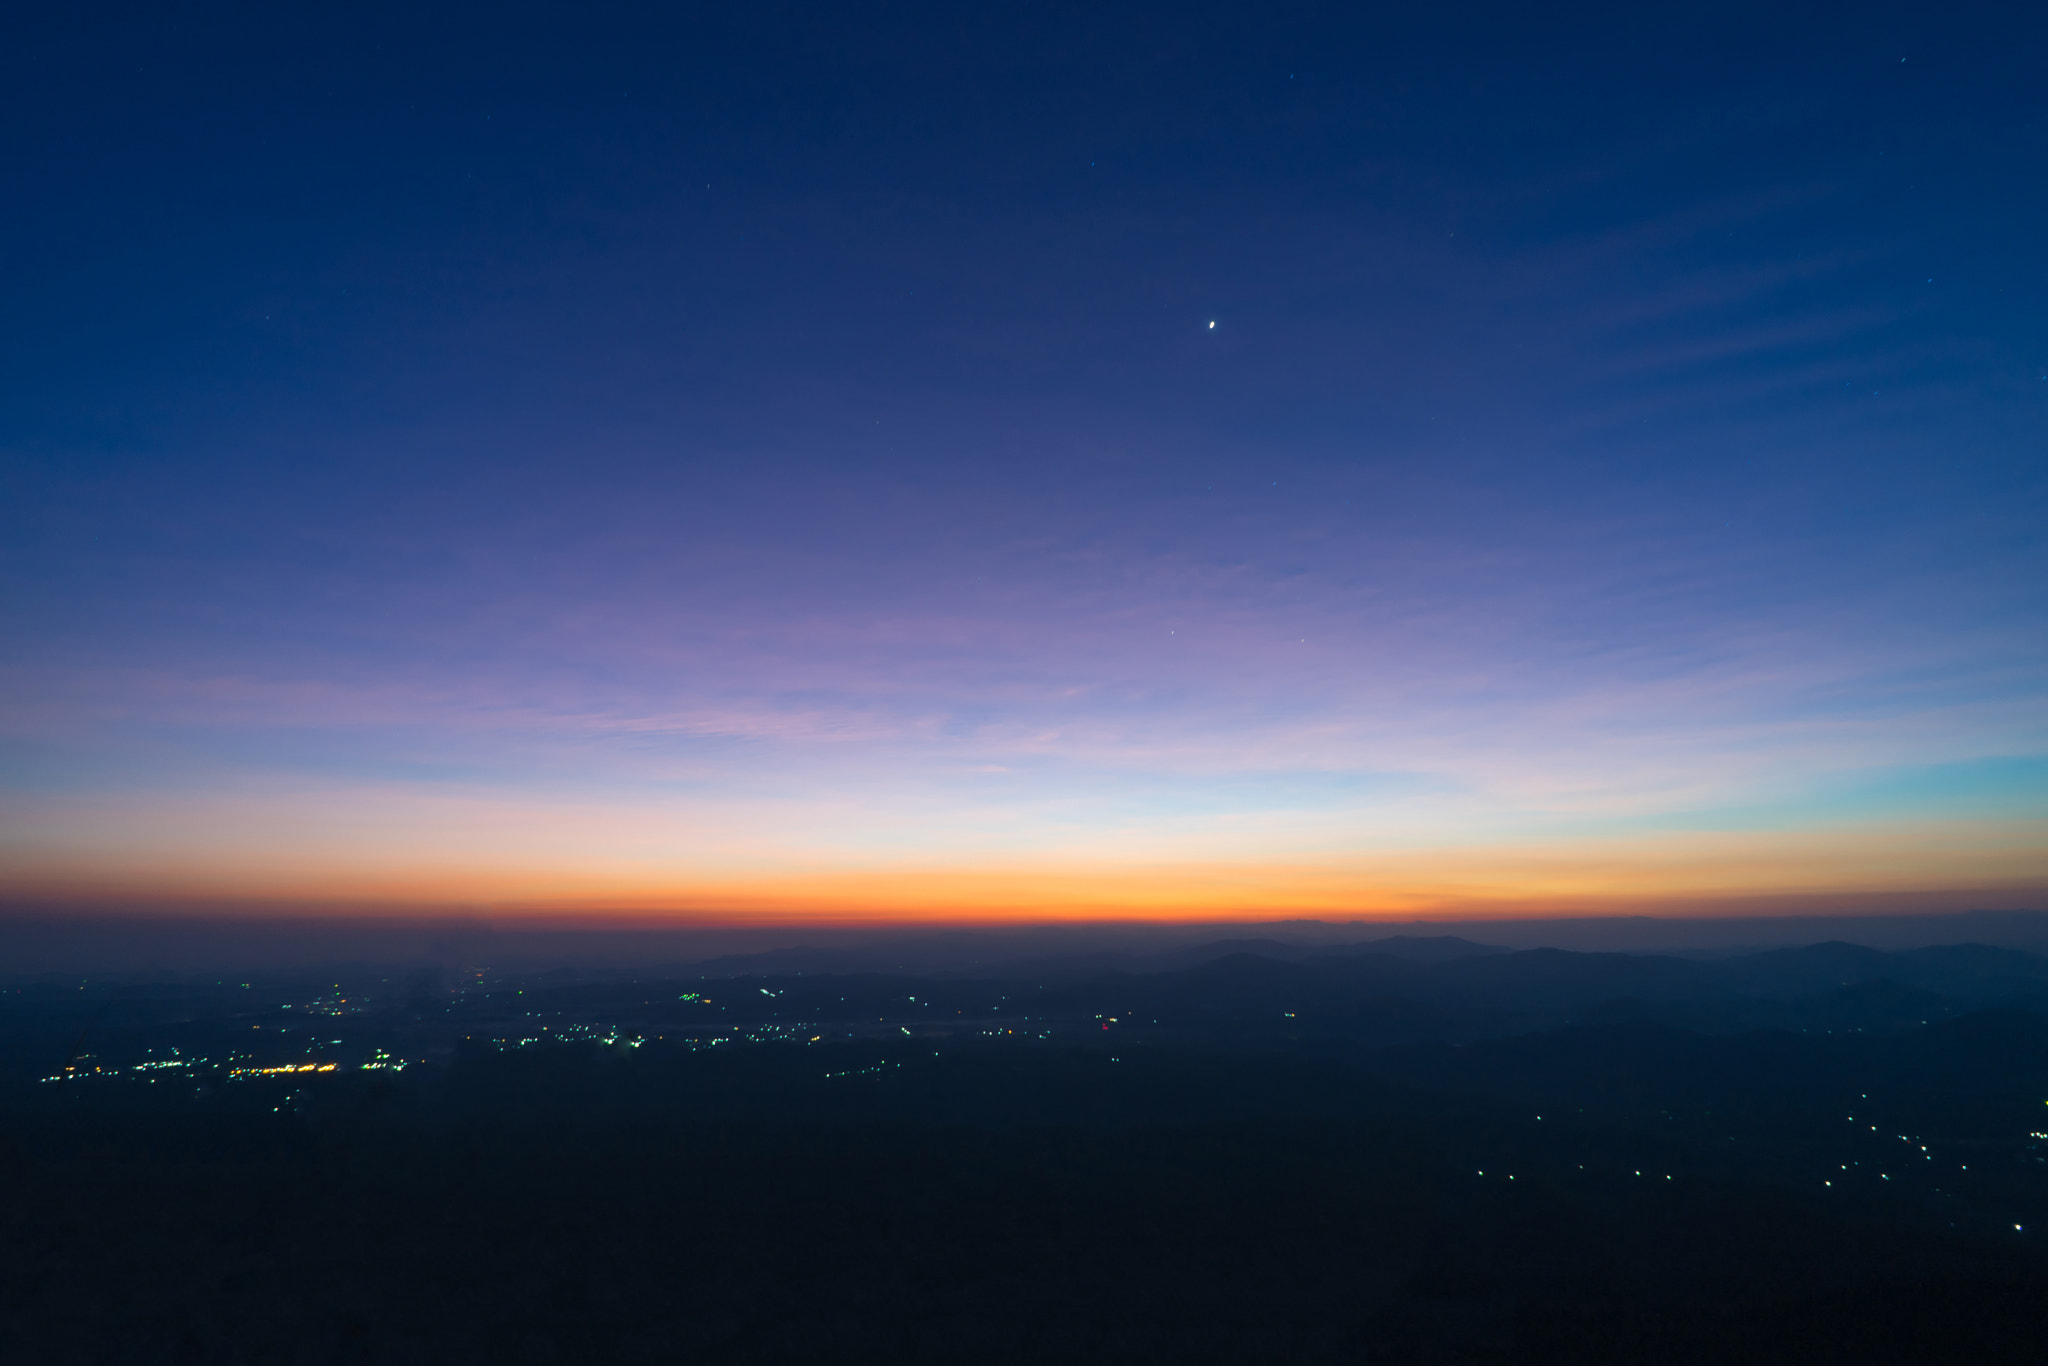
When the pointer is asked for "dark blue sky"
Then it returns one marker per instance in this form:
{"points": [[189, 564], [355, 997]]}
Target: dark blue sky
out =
{"points": [[978, 445]]}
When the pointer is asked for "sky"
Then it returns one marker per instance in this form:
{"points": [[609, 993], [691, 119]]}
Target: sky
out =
{"points": [[896, 462]]}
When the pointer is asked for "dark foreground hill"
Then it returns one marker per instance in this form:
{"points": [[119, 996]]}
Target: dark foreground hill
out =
{"points": [[1258, 1241], [1361, 1158]]}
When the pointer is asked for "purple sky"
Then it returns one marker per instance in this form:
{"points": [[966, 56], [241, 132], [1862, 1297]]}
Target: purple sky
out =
{"points": [[873, 461]]}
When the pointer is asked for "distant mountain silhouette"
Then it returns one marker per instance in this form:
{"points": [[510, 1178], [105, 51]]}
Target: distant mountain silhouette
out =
{"points": [[1465, 991], [1438, 948], [1876, 1003], [1814, 967]]}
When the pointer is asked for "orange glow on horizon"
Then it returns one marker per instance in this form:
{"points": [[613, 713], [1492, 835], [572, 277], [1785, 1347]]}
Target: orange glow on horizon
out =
{"points": [[1923, 866]]}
